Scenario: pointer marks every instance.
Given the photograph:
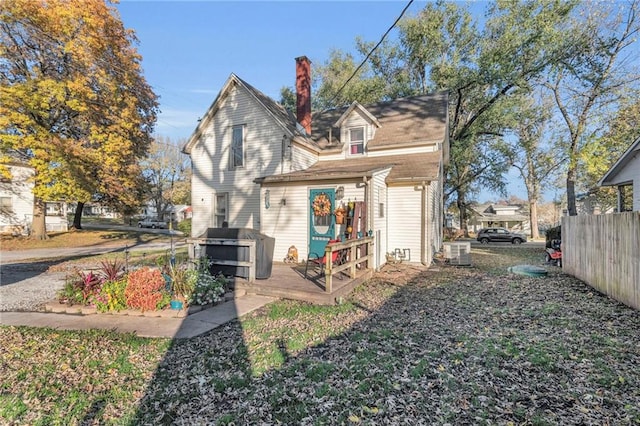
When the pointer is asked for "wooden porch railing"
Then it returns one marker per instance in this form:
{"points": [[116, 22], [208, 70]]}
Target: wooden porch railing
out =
{"points": [[351, 255]]}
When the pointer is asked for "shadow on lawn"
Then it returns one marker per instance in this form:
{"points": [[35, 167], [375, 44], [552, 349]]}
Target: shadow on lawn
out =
{"points": [[446, 345]]}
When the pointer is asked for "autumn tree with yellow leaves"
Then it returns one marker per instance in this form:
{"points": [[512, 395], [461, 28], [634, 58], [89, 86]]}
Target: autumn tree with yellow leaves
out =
{"points": [[74, 104]]}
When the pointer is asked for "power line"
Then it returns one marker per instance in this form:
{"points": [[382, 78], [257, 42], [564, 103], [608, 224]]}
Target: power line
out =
{"points": [[371, 52]]}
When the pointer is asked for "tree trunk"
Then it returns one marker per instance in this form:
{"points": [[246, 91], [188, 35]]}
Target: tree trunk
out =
{"points": [[533, 218], [571, 191], [463, 213], [77, 217], [38, 225]]}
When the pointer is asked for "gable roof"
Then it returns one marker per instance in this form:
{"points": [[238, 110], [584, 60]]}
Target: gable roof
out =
{"points": [[412, 169], [404, 122], [286, 120], [608, 178], [355, 105]]}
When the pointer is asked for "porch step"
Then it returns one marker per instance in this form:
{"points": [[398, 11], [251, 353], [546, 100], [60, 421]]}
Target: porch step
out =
{"points": [[301, 289]]}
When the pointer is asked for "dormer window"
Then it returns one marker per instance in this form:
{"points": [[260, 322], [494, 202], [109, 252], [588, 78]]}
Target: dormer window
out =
{"points": [[356, 141]]}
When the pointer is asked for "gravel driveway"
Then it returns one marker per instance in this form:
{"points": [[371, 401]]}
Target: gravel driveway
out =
{"points": [[27, 286]]}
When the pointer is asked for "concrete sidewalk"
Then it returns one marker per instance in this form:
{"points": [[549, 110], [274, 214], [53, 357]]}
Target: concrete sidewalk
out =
{"points": [[178, 328]]}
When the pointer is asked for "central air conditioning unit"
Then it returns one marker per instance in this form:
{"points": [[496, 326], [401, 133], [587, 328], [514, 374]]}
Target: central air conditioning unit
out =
{"points": [[458, 253]]}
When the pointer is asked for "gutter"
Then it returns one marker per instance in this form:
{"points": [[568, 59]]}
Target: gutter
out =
{"points": [[311, 178]]}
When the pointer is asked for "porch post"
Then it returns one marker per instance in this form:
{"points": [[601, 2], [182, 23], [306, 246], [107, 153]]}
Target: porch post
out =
{"points": [[352, 270], [619, 200], [328, 278]]}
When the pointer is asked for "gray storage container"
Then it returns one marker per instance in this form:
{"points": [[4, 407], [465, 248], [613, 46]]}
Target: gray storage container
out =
{"points": [[264, 251]]}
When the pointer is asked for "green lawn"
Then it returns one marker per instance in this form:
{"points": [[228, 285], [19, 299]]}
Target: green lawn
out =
{"points": [[468, 345]]}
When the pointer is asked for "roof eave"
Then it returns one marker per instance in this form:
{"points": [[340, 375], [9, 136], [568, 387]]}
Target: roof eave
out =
{"points": [[624, 159], [312, 177], [231, 81], [411, 180], [414, 144], [195, 136]]}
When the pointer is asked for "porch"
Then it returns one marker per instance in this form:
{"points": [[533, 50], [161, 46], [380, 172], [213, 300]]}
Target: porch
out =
{"points": [[326, 282]]}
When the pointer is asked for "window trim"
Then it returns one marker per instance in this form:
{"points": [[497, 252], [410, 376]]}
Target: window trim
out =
{"points": [[53, 209], [233, 148], [6, 209], [351, 144], [216, 214]]}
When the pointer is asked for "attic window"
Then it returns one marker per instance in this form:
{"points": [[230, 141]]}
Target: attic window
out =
{"points": [[356, 141]]}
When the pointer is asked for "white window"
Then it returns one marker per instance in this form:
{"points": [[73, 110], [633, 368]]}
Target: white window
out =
{"points": [[220, 209], [356, 141], [6, 205], [53, 209], [237, 147]]}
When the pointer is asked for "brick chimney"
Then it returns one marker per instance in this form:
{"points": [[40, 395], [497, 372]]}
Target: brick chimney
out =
{"points": [[303, 92]]}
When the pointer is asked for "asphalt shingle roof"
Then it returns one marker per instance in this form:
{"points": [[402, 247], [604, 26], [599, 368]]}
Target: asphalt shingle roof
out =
{"points": [[405, 168], [405, 121]]}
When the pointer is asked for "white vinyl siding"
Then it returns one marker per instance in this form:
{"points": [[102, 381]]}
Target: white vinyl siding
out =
{"points": [[631, 173], [288, 221], [301, 158], [378, 217], [383, 153], [17, 193], [404, 220], [211, 156], [19, 189]]}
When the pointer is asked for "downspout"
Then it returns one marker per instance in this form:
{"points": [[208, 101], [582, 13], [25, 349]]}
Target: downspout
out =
{"points": [[370, 265], [423, 222], [366, 203]]}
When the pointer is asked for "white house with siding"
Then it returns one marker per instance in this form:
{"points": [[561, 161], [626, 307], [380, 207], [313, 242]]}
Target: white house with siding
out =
{"points": [[625, 175], [257, 166], [16, 203]]}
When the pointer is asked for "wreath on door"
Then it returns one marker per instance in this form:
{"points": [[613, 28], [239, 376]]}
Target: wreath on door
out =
{"points": [[321, 205]]}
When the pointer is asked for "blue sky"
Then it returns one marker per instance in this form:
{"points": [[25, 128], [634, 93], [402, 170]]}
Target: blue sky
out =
{"points": [[190, 48]]}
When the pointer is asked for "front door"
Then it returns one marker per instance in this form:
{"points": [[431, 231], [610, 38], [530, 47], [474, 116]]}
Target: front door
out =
{"points": [[321, 220]]}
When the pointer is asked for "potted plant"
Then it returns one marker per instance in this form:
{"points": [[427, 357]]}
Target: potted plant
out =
{"points": [[182, 285], [340, 213]]}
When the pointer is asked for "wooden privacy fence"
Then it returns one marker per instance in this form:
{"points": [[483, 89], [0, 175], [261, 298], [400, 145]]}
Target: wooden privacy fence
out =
{"points": [[604, 252]]}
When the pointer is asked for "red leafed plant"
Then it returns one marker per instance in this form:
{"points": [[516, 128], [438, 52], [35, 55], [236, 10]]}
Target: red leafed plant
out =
{"points": [[112, 270], [145, 288]]}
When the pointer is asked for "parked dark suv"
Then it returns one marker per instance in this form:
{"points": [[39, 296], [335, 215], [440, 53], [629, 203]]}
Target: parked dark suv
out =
{"points": [[500, 235]]}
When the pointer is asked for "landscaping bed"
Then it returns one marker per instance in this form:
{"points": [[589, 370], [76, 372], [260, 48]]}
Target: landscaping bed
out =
{"points": [[448, 345], [165, 290]]}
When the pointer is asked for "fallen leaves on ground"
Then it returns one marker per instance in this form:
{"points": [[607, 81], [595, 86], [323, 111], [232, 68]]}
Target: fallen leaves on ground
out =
{"points": [[445, 345]]}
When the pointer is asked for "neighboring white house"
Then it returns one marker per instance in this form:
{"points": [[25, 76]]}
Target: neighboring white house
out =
{"points": [[625, 175], [98, 210], [257, 166], [499, 215], [181, 212], [16, 203]]}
